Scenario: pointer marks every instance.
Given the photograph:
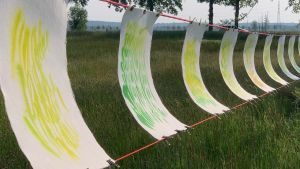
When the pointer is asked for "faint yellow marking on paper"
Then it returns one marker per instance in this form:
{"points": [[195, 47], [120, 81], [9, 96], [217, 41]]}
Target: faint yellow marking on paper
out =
{"points": [[43, 101], [194, 82]]}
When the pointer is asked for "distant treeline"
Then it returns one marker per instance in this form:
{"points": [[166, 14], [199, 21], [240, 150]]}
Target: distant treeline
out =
{"points": [[253, 26]]}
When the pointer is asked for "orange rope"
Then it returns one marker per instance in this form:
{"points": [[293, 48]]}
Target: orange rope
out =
{"points": [[192, 126], [187, 20], [140, 149], [204, 120]]}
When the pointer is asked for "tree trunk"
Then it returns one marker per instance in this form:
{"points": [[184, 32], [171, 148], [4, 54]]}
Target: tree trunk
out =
{"points": [[237, 13], [150, 5], [211, 14]]}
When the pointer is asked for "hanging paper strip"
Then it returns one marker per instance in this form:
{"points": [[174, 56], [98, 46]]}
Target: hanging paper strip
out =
{"points": [[38, 97], [292, 53], [299, 45], [226, 65], [135, 75], [249, 62], [192, 74], [268, 62], [281, 60]]}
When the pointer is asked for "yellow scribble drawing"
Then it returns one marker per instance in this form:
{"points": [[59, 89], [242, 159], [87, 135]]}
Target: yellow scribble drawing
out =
{"points": [[43, 101], [193, 80]]}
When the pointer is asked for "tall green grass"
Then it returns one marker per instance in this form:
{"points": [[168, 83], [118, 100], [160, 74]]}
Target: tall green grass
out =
{"points": [[264, 134]]}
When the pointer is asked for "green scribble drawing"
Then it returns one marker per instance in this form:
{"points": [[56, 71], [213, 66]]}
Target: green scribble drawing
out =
{"points": [[43, 102], [226, 54], [281, 61], [292, 53], [268, 63], [137, 87], [194, 80], [249, 63]]}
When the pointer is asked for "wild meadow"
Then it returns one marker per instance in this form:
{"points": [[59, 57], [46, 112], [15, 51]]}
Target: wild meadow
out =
{"points": [[261, 135]]}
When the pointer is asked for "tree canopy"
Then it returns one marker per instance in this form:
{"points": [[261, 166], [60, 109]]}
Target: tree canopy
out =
{"points": [[211, 1], [242, 3], [81, 2], [238, 4], [295, 5], [78, 18], [168, 6]]}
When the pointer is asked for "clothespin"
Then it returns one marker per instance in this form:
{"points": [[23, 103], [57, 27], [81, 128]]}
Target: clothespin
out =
{"points": [[200, 22], [112, 164], [158, 14], [253, 101], [218, 116], [188, 129], [178, 133], [166, 140], [132, 7], [195, 19]]}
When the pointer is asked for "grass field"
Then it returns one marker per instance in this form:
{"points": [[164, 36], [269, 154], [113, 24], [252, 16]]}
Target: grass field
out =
{"points": [[262, 135]]}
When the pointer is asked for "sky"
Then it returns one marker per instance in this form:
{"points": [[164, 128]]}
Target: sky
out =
{"points": [[99, 11]]}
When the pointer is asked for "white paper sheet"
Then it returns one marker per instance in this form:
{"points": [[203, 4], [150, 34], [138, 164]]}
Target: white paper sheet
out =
{"points": [[38, 97], [192, 73], [226, 65], [249, 62], [135, 76], [268, 62], [281, 60], [298, 46], [292, 53]]}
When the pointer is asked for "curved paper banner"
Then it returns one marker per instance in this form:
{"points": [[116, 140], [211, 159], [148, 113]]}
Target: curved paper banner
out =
{"points": [[38, 96], [292, 53], [226, 65], [299, 45], [249, 62], [268, 63], [281, 61], [135, 75], [192, 74]]}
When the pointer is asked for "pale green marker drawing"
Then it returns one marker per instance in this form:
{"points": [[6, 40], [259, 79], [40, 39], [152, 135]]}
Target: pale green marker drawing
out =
{"points": [[292, 53], [134, 70], [281, 61], [226, 65], [135, 76], [249, 63], [268, 63]]}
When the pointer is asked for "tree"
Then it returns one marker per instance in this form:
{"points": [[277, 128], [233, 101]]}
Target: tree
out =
{"points": [[295, 4], [81, 2], [239, 4], [211, 10], [168, 6], [78, 18]]}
